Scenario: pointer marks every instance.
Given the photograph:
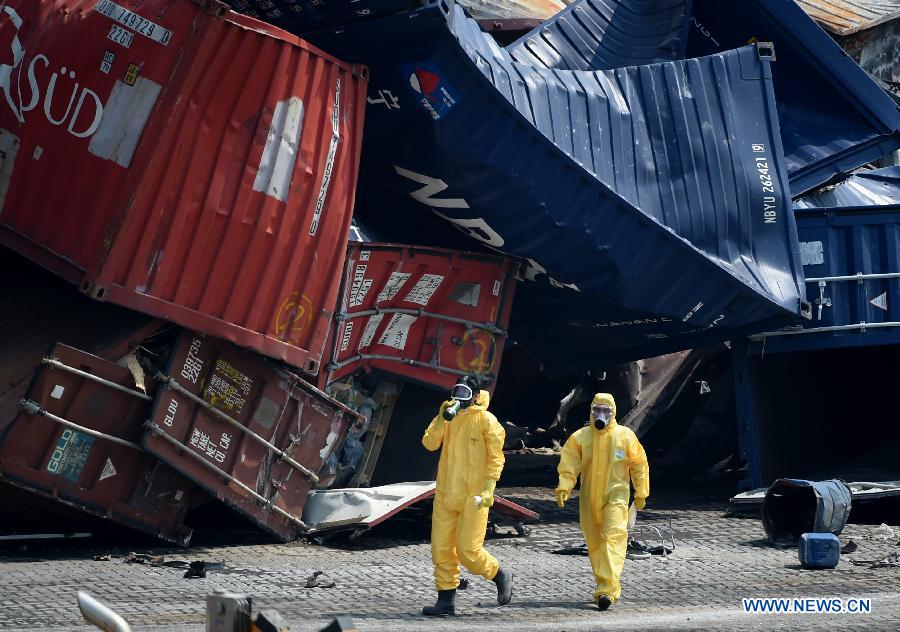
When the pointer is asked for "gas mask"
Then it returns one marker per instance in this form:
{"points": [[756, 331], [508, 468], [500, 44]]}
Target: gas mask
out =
{"points": [[601, 416]]}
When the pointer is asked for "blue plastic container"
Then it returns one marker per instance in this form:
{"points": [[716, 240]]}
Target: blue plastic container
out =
{"points": [[819, 550]]}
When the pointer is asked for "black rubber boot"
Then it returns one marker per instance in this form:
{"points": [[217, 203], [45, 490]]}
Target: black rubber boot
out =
{"points": [[444, 605], [504, 580], [604, 602]]}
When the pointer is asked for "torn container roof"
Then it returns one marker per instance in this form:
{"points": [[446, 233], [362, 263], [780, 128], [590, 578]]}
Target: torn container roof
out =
{"points": [[846, 17], [834, 117], [878, 187], [511, 155]]}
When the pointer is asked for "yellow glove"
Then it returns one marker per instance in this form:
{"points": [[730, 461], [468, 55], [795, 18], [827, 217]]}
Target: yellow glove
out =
{"points": [[639, 502], [487, 495], [444, 407], [562, 495]]}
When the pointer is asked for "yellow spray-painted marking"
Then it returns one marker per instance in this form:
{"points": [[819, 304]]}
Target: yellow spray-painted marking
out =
{"points": [[294, 317], [482, 346]]}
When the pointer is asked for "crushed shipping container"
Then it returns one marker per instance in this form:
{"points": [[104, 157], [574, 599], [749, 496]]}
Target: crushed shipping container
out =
{"points": [[875, 187], [77, 441], [424, 314], [635, 222], [181, 160], [252, 434], [834, 117]]}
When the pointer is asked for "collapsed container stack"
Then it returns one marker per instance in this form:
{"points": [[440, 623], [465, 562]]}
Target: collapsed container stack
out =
{"points": [[625, 170]]}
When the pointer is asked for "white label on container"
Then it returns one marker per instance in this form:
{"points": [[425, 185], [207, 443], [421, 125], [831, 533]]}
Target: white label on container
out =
{"points": [[880, 301], [369, 331], [393, 285], [424, 288], [132, 20], [363, 291], [358, 278], [329, 160], [108, 58], [120, 35], [279, 157], [58, 391], [109, 470], [124, 118], [364, 255], [496, 290], [348, 333], [811, 253], [397, 331]]}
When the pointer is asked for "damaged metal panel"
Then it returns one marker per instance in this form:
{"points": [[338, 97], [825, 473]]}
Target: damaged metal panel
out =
{"points": [[425, 314], [604, 34], [512, 9], [205, 173], [77, 441], [363, 508], [834, 118], [843, 17], [635, 221], [878, 187], [252, 434], [851, 257]]}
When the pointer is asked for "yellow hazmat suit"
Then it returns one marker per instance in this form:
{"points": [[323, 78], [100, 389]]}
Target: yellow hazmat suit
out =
{"points": [[471, 454], [606, 460]]}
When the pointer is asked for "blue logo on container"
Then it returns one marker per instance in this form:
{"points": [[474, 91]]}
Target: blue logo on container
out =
{"points": [[432, 91]]}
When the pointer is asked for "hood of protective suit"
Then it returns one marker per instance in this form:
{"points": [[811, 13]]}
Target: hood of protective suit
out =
{"points": [[482, 400], [604, 399]]}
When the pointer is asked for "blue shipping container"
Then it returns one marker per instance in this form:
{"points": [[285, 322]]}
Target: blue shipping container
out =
{"points": [[834, 117], [851, 257], [655, 195]]}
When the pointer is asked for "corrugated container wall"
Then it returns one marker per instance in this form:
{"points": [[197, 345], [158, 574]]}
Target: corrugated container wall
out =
{"points": [[425, 314], [851, 257], [183, 161]]}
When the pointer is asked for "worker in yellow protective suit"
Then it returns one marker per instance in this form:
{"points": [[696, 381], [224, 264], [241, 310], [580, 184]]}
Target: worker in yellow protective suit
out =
{"points": [[607, 456], [471, 444]]}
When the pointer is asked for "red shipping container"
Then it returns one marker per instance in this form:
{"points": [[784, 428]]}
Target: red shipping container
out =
{"points": [[424, 314], [76, 441], [251, 434], [181, 160]]}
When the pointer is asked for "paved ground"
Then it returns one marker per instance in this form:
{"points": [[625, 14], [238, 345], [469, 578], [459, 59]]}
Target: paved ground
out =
{"points": [[384, 579]]}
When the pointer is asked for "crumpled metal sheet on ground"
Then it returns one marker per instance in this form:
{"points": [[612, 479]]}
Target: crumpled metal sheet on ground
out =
{"points": [[362, 508], [249, 432], [97, 467]]}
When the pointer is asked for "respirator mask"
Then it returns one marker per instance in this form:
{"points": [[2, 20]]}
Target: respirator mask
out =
{"points": [[601, 416]]}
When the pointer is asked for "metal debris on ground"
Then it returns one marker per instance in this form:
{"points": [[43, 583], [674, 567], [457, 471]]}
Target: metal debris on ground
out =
{"points": [[319, 580], [850, 547], [881, 533], [99, 615], [891, 560]]}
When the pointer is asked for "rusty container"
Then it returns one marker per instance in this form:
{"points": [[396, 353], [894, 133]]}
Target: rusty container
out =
{"points": [[77, 441], [253, 435], [181, 160]]}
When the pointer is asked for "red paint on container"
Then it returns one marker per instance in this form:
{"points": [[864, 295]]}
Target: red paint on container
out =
{"points": [[217, 397], [424, 314], [181, 160], [121, 483]]}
